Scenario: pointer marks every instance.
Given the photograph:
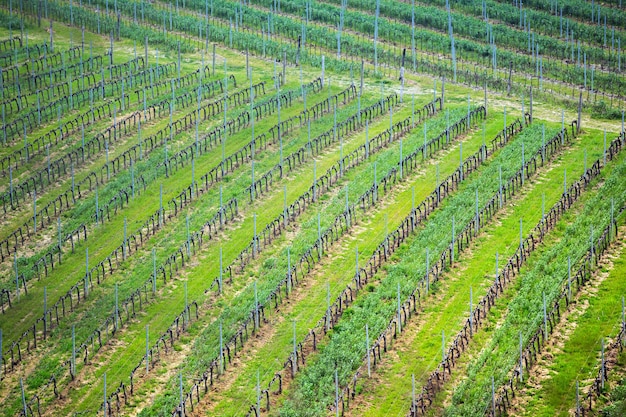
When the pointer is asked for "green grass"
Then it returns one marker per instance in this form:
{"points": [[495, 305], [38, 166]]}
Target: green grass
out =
{"points": [[157, 393], [263, 215], [346, 346], [524, 311], [579, 357], [449, 309], [338, 272]]}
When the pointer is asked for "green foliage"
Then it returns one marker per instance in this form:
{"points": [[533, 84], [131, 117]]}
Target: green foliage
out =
{"points": [[315, 385], [525, 311], [617, 406]]}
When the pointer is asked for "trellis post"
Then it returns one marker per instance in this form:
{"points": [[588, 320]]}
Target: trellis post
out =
{"points": [[23, 397]]}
